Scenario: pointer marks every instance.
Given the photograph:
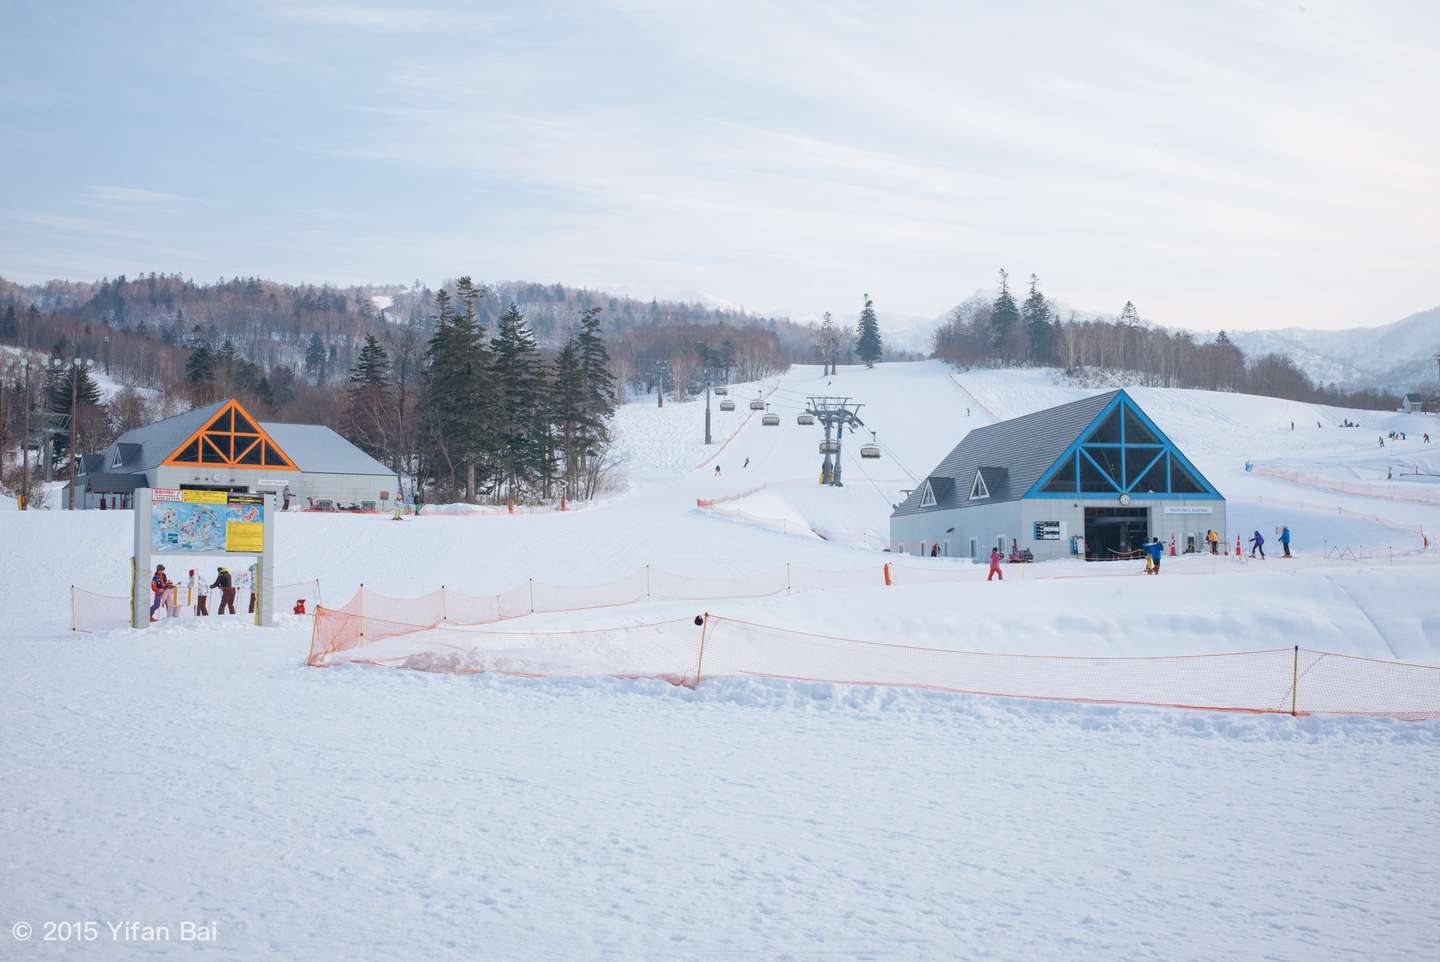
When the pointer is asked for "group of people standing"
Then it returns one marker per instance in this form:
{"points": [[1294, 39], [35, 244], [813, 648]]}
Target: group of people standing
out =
{"points": [[162, 588]]}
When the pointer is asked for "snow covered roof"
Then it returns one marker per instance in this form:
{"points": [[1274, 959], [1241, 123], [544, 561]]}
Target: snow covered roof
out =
{"points": [[1010, 455], [316, 449], [313, 448]]}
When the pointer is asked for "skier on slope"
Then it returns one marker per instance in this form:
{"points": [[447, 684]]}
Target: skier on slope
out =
{"points": [[746, 464], [717, 470], [1285, 539], [1154, 550], [1257, 543], [995, 557]]}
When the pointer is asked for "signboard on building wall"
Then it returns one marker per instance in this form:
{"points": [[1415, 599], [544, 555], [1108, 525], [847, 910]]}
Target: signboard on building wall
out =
{"points": [[1189, 509], [1047, 531], [218, 521]]}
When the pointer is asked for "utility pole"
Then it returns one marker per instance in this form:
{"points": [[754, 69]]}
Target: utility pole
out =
{"points": [[835, 414], [25, 444], [707, 408], [70, 452], [661, 371]]}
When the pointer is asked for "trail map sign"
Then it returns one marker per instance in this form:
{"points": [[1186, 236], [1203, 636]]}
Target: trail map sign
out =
{"points": [[170, 521], [209, 521]]}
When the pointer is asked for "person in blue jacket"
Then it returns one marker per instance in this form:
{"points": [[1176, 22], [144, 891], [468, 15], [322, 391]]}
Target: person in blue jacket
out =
{"points": [[1156, 551], [1285, 539], [1257, 543]]}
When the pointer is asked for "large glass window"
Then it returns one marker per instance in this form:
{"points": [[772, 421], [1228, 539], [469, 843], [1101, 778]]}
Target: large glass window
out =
{"points": [[1064, 480]]}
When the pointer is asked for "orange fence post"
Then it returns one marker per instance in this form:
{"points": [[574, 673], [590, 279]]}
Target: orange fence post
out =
{"points": [[72, 607], [1294, 680], [700, 659], [443, 615], [887, 574], [361, 595]]}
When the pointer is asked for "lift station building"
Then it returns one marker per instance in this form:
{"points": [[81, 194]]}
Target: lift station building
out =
{"points": [[221, 447], [1093, 478]]}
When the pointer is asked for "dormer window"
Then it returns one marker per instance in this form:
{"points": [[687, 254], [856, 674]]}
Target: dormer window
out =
{"points": [[978, 490], [927, 497]]}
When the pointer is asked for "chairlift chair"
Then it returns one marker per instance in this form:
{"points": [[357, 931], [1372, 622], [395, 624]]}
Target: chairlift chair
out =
{"points": [[805, 419]]}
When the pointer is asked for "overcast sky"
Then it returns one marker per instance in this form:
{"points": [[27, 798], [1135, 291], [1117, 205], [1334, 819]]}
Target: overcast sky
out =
{"points": [[1223, 164]]}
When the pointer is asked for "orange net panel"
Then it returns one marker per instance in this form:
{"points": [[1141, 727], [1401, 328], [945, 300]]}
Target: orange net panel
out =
{"points": [[665, 650], [1275, 681]]}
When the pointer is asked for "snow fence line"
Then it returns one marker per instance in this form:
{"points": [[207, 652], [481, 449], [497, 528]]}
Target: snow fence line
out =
{"points": [[1388, 490], [91, 611], [1282, 681]]}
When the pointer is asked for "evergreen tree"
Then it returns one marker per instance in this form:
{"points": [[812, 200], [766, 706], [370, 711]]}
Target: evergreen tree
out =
{"points": [[9, 323], [457, 409], [370, 410], [200, 372], [1222, 337], [1004, 320], [59, 375], [1036, 314], [316, 359], [519, 383], [598, 383], [867, 335], [568, 418], [1129, 317]]}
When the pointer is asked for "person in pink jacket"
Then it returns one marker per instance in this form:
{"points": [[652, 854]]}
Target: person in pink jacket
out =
{"points": [[995, 557]]}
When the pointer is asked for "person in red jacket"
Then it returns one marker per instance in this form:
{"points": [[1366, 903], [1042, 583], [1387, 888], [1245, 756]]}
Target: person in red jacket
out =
{"points": [[159, 585], [995, 557]]}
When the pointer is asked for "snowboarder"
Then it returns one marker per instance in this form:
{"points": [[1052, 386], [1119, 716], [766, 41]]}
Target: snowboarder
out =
{"points": [[1154, 551], [717, 470], [1285, 539], [1257, 543], [746, 464], [995, 557], [227, 590], [159, 585]]}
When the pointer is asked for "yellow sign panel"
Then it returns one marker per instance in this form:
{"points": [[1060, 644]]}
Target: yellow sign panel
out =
{"points": [[204, 497], [244, 536]]}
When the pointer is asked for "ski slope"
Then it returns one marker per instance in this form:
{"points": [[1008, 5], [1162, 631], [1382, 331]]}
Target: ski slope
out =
{"points": [[201, 772]]}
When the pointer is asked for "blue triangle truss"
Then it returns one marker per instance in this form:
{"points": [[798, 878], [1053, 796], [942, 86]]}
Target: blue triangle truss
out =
{"points": [[1120, 452]]}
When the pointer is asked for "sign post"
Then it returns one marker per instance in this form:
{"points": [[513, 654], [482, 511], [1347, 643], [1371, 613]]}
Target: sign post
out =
{"points": [[176, 523]]}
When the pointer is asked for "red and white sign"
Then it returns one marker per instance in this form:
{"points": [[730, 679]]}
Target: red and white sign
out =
{"points": [[164, 494]]}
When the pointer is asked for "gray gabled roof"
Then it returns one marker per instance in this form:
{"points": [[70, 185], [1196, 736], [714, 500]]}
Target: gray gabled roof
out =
{"points": [[142, 448], [313, 447], [1010, 455], [316, 449]]}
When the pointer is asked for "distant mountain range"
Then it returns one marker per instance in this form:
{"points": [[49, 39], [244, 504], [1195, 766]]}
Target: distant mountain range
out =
{"points": [[1398, 357]]}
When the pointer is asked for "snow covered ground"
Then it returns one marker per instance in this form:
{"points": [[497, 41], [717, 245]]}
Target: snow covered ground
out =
{"points": [[202, 773]]}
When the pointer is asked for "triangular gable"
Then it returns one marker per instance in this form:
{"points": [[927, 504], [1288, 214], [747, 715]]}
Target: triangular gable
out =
{"points": [[1122, 451], [231, 438], [978, 490], [927, 496]]}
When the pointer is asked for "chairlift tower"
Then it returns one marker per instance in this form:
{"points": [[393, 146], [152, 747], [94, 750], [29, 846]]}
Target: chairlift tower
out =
{"points": [[836, 414]]}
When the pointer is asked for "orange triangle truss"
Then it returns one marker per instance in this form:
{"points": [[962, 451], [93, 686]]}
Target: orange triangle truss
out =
{"points": [[231, 438]]}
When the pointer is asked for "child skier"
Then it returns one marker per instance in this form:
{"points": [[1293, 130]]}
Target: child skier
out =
{"points": [[1154, 551], [995, 557]]}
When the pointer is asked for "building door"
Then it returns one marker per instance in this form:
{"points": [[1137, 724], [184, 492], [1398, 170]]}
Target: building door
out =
{"points": [[1112, 533]]}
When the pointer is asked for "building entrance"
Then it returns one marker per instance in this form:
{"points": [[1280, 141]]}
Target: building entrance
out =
{"points": [[1112, 533]]}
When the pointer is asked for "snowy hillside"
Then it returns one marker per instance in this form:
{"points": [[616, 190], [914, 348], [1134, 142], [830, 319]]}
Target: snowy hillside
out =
{"points": [[1398, 356], [199, 770]]}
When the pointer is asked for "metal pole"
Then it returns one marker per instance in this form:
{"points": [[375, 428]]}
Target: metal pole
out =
{"points": [[707, 411], [74, 390], [1294, 680]]}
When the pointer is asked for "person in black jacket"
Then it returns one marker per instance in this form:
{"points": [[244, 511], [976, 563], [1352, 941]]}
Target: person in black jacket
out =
{"points": [[227, 591]]}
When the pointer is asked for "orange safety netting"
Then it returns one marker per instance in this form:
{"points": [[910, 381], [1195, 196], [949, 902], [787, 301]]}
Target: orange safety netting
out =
{"points": [[1277, 681], [1420, 492], [91, 611]]}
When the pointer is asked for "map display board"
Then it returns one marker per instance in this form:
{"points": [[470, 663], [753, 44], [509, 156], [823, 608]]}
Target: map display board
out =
{"points": [[206, 521]]}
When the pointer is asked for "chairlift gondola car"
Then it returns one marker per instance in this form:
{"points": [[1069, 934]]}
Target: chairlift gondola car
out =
{"points": [[722, 391], [756, 404], [871, 450], [829, 447], [805, 419], [771, 420], [727, 405]]}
